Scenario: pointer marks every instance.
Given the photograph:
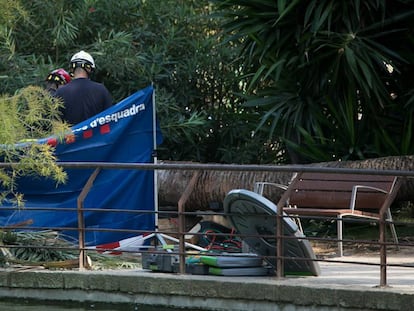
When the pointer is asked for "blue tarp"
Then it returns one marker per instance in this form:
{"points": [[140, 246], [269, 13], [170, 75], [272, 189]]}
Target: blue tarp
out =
{"points": [[122, 133]]}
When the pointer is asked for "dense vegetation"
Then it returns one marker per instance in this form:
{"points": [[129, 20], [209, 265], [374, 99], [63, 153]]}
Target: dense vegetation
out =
{"points": [[174, 45], [324, 80], [333, 77]]}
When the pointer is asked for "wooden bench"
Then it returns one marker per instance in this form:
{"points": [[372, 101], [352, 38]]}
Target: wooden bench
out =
{"points": [[339, 195]]}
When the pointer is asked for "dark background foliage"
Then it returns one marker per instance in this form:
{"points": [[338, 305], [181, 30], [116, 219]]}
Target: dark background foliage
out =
{"points": [[135, 43], [236, 81], [320, 72]]}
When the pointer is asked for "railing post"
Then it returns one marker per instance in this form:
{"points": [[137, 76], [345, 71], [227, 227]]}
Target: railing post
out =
{"points": [[181, 219], [383, 249], [81, 223], [279, 228], [279, 243], [382, 232]]}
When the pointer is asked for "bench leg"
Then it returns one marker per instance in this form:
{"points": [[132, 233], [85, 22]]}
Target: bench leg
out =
{"points": [[392, 227], [339, 224]]}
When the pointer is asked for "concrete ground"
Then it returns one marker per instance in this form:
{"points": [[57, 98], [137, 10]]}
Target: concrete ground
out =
{"points": [[360, 270], [342, 285]]}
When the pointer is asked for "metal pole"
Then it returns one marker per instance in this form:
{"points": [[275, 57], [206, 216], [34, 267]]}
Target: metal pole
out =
{"points": [[181, 219], [382, 231], [279, 243], [155, 159], [383, 250], [81, 223], [279, 229]]}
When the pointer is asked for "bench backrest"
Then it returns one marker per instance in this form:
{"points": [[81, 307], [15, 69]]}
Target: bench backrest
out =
{"points": [[333, 191]]}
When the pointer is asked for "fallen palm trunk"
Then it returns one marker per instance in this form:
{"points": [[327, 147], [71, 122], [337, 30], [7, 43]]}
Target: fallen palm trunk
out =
{"points": [[212, 185]]}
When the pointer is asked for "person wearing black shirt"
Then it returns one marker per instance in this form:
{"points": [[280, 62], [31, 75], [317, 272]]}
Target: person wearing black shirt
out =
{"points": [[82, 97]]}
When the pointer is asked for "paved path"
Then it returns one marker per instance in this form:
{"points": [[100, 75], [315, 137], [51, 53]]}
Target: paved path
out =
{"points": [[339, 273], [341, 286]]}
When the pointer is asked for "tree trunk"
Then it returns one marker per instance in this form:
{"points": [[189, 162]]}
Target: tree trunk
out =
{"points": [[212, 186]]}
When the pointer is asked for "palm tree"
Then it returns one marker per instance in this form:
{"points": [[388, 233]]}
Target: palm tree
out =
{"points": [[332, 77]]}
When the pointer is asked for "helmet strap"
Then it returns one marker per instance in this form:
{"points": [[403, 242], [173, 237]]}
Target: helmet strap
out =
{"points": [[86, 67]]}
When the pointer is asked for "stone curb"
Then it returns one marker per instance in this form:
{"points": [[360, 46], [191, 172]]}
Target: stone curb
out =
{"points": [[196, 291]]}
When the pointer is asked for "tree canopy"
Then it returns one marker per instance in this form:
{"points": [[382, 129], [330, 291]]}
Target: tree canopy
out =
{"points": [[176, 46], [333, 78], [236, 81]]}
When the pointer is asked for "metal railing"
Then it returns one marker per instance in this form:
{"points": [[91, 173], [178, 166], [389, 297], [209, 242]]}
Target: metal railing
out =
{"points": [[181, 212]]}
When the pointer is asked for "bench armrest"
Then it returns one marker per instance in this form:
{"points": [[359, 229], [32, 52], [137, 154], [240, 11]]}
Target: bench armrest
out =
{"points": [[259, 186], [355, 190]]}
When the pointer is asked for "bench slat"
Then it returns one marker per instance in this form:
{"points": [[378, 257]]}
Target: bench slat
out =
{"points": [[345, 177], [339, 185], [327, 194], [336, 200], [328, 212]]}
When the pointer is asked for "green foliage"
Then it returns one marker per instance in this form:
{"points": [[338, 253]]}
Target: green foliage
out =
{"points": [[29, 114], [11, 13], [314, 73], [34, 247], [320, 72], [176, 46]]}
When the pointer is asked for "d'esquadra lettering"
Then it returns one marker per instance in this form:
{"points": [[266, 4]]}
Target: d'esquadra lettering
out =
{"points": [[115, 117]]}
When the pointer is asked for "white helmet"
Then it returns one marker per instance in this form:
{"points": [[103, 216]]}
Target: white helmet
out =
{"points": [[82, 59]]}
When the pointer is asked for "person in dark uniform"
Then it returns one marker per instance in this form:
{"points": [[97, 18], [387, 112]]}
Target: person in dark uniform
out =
{"points": [[55, 79], [82, 97]]}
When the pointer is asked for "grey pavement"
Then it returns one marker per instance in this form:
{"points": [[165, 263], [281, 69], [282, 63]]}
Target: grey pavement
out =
{"points": [[341, 286], [358, 272]]}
